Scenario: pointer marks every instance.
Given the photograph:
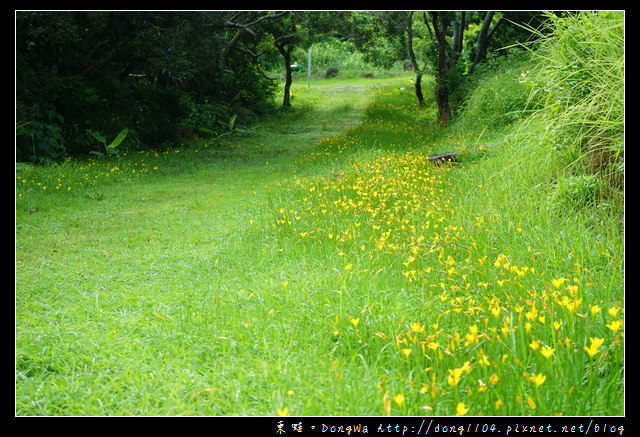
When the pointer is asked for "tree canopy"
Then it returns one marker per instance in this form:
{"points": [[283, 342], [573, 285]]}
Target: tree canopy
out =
{"points": [[155, 73]]}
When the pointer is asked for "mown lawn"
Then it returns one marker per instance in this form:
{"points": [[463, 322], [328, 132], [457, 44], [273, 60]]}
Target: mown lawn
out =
{"points": [[319, 266]]}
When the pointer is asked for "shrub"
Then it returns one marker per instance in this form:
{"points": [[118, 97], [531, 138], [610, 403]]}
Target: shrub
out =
{"points": [[580, 80], [203, 118], [37, 141]]}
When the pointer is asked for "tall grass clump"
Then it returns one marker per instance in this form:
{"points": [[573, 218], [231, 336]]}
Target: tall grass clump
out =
{"points": [[579, 80], [500, 94]]}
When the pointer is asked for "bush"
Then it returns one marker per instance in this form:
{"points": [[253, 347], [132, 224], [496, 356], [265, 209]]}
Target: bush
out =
{"points": [[203, 118], [36, 141], [108, 71]]}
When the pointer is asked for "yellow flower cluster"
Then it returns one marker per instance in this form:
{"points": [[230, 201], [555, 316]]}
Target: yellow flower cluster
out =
{"points": [[81, 173], [487, 319]]}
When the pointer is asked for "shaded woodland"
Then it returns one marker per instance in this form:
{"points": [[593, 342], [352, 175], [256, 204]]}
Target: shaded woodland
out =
{"points": [[84, 77]]}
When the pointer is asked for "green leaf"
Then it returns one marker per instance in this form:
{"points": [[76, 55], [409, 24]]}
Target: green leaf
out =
{"points": [[232, 121], [120, 138], [98, 136]]}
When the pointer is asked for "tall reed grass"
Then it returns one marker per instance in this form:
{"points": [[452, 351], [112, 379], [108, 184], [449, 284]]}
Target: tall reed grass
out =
{"points": [[579, 78]]}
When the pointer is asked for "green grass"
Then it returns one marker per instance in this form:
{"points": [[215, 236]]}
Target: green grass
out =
{"points": [[320, 266], [138, 290]]}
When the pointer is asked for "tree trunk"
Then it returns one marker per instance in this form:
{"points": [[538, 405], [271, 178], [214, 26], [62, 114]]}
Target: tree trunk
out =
{"points": [[442, 92], [484, 35], [458, 34], [412, 58], [286, 55], [418, 88], [444, 104], [286, 100]]}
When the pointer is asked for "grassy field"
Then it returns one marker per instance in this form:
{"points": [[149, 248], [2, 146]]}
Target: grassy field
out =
{"points": [[320, 265]]}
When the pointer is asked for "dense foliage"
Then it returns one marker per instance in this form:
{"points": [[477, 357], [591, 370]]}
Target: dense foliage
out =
{"points": [[164, 76], [157, 74]]}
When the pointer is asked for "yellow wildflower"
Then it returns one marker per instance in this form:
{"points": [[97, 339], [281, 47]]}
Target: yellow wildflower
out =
{"points": [[535, 345], [399, 399], [482, 385], [472, 336], [613, 311], [539, 379], [484, 360], [461, 409], [499, 262], [283, 412], [595, 345], [416, 327], [547, 351], [615, 325], [572, 305], [454, 377], [433, 345]]}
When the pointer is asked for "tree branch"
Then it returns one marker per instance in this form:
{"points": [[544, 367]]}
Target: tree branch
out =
{"points": [[246, 27]]}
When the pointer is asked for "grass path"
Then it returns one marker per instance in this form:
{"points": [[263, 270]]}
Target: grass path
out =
{"points": [[320, 266], [112, 282]]}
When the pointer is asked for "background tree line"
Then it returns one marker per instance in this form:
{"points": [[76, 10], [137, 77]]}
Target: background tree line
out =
{"points": [[163, 76]]}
